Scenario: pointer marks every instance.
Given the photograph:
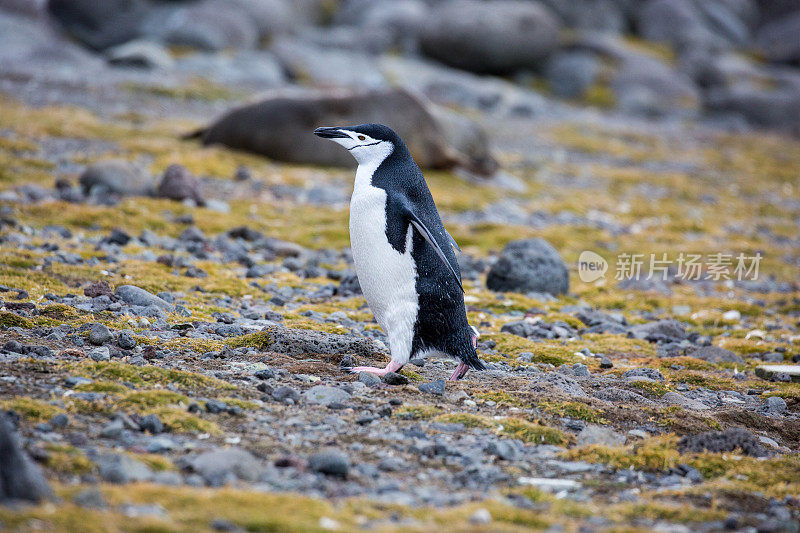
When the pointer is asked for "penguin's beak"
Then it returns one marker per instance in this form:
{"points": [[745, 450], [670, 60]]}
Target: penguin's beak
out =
{"points": [[330, 133]]}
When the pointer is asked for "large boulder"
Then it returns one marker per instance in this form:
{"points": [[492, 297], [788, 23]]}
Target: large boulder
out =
{"points": [[780, 40], [281, 128], [774, 109], [490, 37], [403, 20], [602, 15], [99, 24], [116, 177], [677, 22], [20, 478], [570, 73], [648, 86], [530, 265], [207, 25]]}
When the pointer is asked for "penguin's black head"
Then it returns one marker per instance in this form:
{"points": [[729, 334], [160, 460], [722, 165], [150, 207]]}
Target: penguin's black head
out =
{"points": [[366, 142]]}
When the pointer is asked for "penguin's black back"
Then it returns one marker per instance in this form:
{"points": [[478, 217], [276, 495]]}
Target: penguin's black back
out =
{"points": [[441, 319]]}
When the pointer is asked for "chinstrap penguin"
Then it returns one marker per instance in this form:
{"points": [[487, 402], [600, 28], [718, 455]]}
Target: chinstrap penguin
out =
{"points": [[404, 257]]}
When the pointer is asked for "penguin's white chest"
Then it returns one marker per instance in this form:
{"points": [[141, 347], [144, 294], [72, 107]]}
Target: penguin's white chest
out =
{"points": [[387, 277]]}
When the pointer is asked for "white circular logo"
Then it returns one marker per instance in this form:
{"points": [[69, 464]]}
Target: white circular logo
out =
{"points": [[591, 266]]}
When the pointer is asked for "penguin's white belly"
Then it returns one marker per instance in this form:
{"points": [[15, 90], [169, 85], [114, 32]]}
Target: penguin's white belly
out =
{"points": [[387, 277]]}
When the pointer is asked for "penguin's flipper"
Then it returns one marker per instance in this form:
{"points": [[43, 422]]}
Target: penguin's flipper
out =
{"points": [[453, 241], [426, 234]]}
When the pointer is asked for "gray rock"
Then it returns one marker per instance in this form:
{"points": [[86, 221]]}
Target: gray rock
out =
{"points": [[504, 449], [133, 295], [284, 393], [177, 183], [99, 334], [435, 387], [100, 354], [723, 441], [775, 405], [772, 357], [601, 15], [294, 342], [569, 74], [207, 25], [119, 468], [20, 478], [531, 265], [603, 436], [565, 384], [330, 462], [497, 37], [325, 395], [369, 379], [648, 373], [141, 54], [660, 331], [263, 128], [223, 465], [393, 378], [329, 66], [677, 22], [777, 108], [152, 424], [126, 341], [676, 398], [770, 372], [715, 354], [392, 464], [778, 40], [647, 86], [99, 23], [117, 177]]}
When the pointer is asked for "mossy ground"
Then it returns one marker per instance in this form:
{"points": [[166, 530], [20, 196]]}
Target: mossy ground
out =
{"points": [[663, 194]]}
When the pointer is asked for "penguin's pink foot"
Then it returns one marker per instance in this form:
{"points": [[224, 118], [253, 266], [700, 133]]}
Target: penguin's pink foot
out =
{"points": [[461, 369], [391, 367]]}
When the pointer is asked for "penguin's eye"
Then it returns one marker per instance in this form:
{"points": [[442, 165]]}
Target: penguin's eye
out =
{"points": [[362, 138]]}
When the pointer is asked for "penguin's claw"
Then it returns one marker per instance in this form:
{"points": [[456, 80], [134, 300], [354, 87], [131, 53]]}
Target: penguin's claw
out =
{"points": [[371, 369], [391, 367], [461, 369]]}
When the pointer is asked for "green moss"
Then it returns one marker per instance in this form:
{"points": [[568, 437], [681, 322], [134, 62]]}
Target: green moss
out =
{"points": [[516, 428], [501, 398], [577, 410], [66, 460], [107, 387], [469, 420], [152, 398], [181, 421], [59, 312], [655, 388], [32, 409], [12, 320], [261, 340], [149, 375], [513, 345], [417, 411], [654, 454]]}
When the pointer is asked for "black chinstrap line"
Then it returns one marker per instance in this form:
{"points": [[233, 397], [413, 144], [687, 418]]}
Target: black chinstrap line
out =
{"points": [[363, 145]]}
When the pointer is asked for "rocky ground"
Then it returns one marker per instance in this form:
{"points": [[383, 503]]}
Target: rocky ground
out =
{"points": [[175, 324]]}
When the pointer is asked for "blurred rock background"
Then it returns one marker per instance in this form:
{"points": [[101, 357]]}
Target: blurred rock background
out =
{"points": [[732, 62]]}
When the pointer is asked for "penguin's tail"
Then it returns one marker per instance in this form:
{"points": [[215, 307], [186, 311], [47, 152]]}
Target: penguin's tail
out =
{"points": [[472, 360]]}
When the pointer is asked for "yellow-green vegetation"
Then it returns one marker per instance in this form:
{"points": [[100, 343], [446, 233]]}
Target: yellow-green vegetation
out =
{"points": [[31, 408], [536, 433], [13, 320], [654, 454], [64, 459], [468, 419], [417, 411], [776, 476], [577, 410], [502, 398], [147, 375]]}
